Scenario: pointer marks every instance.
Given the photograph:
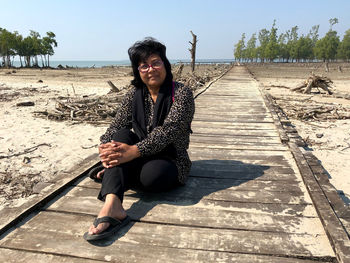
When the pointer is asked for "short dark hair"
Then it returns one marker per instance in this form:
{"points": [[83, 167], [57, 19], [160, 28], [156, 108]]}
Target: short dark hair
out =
{"points": [[140, 52]]}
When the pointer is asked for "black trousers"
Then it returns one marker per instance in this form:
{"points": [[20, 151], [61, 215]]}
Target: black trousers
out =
{"points": [[155, 173]]}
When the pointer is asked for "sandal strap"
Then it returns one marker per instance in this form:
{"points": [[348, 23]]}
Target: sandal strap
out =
{"points": [[107, 219]]}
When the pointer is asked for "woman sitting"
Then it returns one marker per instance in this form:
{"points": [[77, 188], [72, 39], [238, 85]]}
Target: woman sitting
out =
{"points": [[146, 144]]}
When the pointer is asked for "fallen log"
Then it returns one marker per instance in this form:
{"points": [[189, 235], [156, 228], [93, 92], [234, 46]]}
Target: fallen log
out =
{"points": [[314, 81], [113, 87]]}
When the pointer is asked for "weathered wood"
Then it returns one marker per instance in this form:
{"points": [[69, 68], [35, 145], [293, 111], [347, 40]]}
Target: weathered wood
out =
{"points": [[113, 87], [192, 195], [195, 215], [141, 254], [333, 227], [13, 215], [193, 50], [22, 256], [88, 199], [33, 235]]}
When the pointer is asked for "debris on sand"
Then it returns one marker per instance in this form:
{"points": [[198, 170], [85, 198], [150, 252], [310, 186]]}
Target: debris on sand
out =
{"points": [[315, 81], [100, 110]]}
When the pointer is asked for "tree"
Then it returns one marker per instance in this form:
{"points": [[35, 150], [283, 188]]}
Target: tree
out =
{"points": [[313, 35], [332, 22], [326, 48], [303, 48], [283, 52], [271, 49], [36, 46], [344, 47], [292, 42], [264, 37], [239, 48], [48, 43], [7, 44], [251, 52]]}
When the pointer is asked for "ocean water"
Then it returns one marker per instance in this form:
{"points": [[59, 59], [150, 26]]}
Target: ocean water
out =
{"points": [[108, 63]]}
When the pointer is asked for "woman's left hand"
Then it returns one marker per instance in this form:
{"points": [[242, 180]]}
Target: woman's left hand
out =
{"points": [[123, 153]]}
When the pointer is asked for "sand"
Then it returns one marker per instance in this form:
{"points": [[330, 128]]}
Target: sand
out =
{"points": [[34, 149], [329, 140]]}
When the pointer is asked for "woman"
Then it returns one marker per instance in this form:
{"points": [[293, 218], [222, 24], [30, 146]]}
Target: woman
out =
{"points": [[146, 144]]}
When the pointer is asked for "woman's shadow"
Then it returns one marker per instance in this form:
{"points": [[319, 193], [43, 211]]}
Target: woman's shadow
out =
{"points": [[207, 180]]}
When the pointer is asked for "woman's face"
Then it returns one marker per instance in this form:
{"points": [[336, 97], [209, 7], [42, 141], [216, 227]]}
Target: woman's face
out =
{"points": [[152, 71]]}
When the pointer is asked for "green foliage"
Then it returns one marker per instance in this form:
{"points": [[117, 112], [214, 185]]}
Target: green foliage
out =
{"points": [[251, 51], [289, 46], [326, 48], [271, 49], [239, 48], [344, 47], [29, 48]]}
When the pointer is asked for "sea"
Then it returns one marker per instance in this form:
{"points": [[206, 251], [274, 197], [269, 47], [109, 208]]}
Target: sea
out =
{"points": [[110, 63]]}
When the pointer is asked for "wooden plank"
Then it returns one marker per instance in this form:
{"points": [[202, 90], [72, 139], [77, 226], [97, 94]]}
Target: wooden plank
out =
{"points": [[192, 195], [214, 184], [214, 145], [44, 236], [259, 158], [130, 254], [346, 224], [22, 256], [194, 215], [233, 118], [245, 132], [12, 215], [131, 196], [229, 125], [234, 139], [250, 174], [333, 227]]}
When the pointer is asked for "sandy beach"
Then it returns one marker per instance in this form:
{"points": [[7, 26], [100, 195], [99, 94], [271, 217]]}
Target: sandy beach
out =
{"points": [[327, 134], [34, 148]]}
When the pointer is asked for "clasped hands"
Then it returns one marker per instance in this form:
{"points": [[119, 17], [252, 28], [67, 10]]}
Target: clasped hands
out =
{"points": [[115, 153]]}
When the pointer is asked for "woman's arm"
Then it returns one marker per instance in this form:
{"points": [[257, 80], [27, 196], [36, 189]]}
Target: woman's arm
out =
{"points": [[175, 124]]}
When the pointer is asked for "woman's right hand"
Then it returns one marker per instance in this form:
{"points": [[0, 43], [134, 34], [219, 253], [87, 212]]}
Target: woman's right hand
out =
{"points": [[108, 152]]}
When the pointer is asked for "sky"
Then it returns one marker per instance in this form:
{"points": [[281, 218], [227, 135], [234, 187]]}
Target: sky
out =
{"points": [[105, 29]]}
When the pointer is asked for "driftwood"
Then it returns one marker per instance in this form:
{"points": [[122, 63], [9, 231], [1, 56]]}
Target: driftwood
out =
{"points": [[178, 71], [193, 50], [29, 150], [100, 110], [298, 109], [113, 87], [314, 81], [25, 104]]}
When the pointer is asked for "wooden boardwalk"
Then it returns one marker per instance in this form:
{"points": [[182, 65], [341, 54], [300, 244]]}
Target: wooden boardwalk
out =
{"points": [[245, 200]]}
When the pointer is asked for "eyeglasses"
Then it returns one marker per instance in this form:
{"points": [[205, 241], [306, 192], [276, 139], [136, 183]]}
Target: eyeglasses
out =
{"points": [[146, 67]]}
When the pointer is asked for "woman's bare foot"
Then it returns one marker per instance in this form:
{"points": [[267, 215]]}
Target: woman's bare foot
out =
{"points": [[100, 174], [113, 208]]}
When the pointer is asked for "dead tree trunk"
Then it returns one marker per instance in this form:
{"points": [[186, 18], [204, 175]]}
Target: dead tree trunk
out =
{"points": [[326, 68], [193, 50]]}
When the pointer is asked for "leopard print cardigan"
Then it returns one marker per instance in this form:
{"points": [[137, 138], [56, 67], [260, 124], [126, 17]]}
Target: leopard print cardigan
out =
{"points": [[176, 128]]}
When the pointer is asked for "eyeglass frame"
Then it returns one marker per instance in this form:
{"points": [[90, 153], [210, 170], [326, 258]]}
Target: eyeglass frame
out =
{"points": [[149, 66]]}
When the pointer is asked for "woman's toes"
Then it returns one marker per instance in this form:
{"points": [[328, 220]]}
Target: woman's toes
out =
{"points": [[100, 228]]}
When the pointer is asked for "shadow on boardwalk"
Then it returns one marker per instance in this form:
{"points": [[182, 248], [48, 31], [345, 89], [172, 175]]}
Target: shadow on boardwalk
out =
{"points": [[208, 179]]}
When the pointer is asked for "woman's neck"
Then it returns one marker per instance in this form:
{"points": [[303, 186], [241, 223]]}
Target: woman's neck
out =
{"points": [[154, 92]]}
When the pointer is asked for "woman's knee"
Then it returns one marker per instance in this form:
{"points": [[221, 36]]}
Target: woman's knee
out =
{"points": [[125, 136], [159, 175]]}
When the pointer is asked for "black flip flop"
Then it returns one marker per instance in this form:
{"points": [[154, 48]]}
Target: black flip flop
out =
{"points": [[94, 171], [114, 227]]}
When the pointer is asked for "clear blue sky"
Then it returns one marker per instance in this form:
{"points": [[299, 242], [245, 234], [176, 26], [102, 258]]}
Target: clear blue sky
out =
{"points": [[105, 29]]}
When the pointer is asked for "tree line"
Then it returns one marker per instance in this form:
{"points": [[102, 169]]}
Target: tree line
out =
{"points": [[27, 48], [290, 47]]}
